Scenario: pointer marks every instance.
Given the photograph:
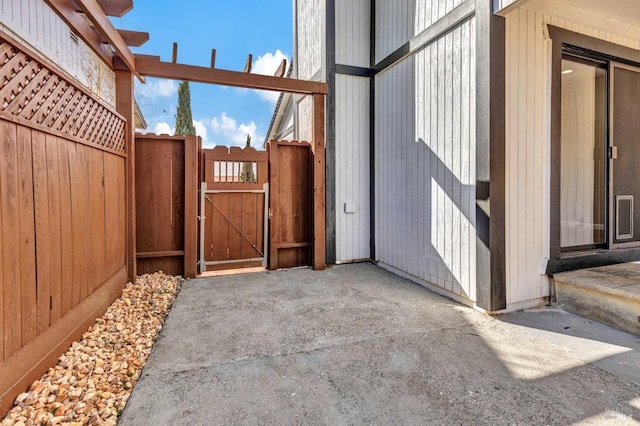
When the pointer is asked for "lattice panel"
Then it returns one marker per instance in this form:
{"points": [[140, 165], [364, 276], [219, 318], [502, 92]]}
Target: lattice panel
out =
{"points": [[31, 91]]}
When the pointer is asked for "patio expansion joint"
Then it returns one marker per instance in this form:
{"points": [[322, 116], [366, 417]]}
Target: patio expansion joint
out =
{"points": [[252, 358]]}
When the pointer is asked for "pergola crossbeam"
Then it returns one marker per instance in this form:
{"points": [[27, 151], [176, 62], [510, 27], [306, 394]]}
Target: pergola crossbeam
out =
{"points": [[151, 67], [248, 64], [98, 18], [134, 38]]}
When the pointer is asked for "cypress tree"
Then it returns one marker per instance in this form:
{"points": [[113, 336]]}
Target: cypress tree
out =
{"points": [[184, 118], [246, 174]]}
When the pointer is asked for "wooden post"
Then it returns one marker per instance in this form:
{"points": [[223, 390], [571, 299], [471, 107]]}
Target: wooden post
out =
{"points": [[124, 105], [272, 149], [318, 146]]}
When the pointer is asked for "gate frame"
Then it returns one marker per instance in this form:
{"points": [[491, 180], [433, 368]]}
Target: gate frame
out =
{"points": [[152, 66], [202, 263]]}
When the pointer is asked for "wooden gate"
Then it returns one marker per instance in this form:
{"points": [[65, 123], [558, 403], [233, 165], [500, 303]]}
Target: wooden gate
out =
{"points": [[166, 204], [291, 204], [233, 208]]}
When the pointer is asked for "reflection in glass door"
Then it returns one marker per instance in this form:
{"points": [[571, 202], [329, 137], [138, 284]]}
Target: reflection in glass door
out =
{"points": [[583, 153]]}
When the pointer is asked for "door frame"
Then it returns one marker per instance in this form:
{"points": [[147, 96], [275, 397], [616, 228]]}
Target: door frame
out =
{"points": [[612, 210], [202, 262], [561, 37]]}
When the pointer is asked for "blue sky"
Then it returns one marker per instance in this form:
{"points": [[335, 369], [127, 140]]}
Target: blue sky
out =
{"points": [[223, 115]]}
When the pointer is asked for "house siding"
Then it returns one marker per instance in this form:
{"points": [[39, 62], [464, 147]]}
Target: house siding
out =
{"points": [[352, 168], [37, 25], [527, 130], [353, 32], [425, 163]]}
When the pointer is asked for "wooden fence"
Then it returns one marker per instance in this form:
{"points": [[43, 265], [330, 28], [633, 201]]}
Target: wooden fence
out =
{"points": [[166, 204], [291, 204], [62, 214]]}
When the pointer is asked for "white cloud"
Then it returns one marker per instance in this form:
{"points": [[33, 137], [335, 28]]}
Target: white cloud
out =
{"points": [[267, 64], [201, 130], [234, 133], [155, 88], [163, 129]]}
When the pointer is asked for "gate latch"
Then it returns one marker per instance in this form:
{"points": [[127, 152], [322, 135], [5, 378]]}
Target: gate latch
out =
{"points": [[270, 214], [202, 217]]}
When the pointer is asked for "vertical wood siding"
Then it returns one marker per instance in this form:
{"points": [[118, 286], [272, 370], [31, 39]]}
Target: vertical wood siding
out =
{"points": [[352, 167], [353, 32], [310, 15], [400, 20], [425, 163], [527, 146], [35, 23], [498, 5]]}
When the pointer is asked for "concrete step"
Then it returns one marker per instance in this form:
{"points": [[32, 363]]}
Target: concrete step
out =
{"points": [[609, 294]]}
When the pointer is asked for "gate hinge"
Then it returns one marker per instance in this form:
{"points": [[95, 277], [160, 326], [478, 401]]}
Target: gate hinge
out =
{"points": [[270, 213]]}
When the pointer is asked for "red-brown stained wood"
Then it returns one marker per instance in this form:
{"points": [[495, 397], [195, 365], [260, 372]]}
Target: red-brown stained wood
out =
{"points": [[290, 198], [55, 235], [191, 151], [27, 237], [112, 220], [274, 188], [98, 234], [10, 206], [166, 199], [41, 202], [66, 228], [319, 225], [88, 281], [78, 264], [234, 225]]}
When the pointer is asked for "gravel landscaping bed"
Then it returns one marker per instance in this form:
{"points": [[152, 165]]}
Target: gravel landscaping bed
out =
{"points": [[93, 380]]}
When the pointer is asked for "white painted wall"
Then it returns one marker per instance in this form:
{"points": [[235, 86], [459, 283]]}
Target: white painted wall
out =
{"points": [[425, 164], [35, 24], [352, 168], [528, 135], [353, 32], [398, 21], [310, 42], [309, 60]]}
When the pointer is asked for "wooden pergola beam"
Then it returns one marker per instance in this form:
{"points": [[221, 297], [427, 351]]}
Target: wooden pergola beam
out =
{"points": [[116, 7], [249, 63], [150, 67], [96, 15], [68, 11], [282, 69], [134, 38]]}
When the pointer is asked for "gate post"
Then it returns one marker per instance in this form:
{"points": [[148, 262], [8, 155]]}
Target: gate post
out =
{"points": [[124, 106], [319, 196]]}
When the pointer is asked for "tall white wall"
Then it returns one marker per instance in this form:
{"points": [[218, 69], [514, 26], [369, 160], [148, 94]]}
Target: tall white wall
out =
{"points": [[425, 163], [353, 32], [527, 142], [309, 60], [400, 20], [34, 23], [352, 132], [352, 168]]}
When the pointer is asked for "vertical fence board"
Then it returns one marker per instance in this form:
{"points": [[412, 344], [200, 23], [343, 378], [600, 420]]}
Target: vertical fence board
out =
{"points": [[27, 238], [78, 263], [10, 235], [41, 201], [66, 229], [111, 216], [55, 237], [98, 239]]}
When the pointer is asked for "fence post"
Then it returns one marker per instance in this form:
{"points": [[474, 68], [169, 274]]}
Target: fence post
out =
{"points": [[124, 106], [319, 196]]}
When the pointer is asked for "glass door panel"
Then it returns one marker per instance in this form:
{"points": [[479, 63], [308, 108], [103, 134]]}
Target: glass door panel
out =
{"points": [[583, 153]]}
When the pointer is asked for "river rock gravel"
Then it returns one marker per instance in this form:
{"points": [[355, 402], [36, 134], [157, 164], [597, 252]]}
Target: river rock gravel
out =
{"points": [[93, 380]]}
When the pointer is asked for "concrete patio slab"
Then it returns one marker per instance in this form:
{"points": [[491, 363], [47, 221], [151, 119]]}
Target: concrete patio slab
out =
{"points": [[357, 345]]}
